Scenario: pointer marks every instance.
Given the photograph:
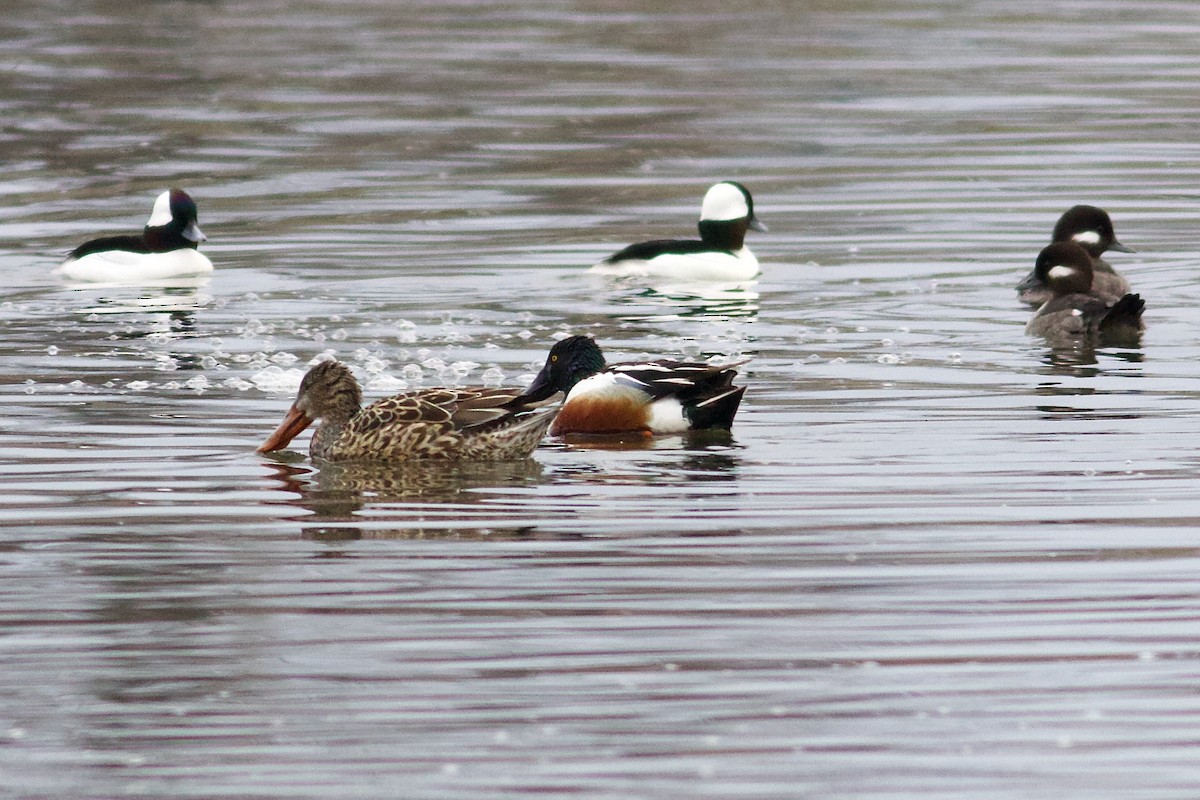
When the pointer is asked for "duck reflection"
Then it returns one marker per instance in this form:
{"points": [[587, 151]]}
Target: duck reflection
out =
{"points": [[174, 295], [442, 500], [1082, 360], [1079, 361], [697, 463], [337, 490], [337, 493], [689, 441], [165, 313], [353, 533], [720, 301]]}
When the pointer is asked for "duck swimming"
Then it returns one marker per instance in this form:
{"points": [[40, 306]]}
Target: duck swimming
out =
{"points": [[166, 247], [719, 255], [1072, 312], [1092, 229], [477, 424], [661, 396]]}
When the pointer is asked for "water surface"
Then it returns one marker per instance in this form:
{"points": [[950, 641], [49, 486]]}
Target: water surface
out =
{"points": [[934, 559]]}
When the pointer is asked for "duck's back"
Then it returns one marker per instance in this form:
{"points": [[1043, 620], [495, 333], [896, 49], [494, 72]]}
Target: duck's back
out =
{"points": [[127, 243], [1107, 283], [681, 259], [454, 424], [1075, 315]]}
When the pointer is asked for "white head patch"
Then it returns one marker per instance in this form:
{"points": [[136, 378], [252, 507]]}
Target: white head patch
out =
{"points": [[1087, 237], [1060, 272], [161, 215], [724, 201]]}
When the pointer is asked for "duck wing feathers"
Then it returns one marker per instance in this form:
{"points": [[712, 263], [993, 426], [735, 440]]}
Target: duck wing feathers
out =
{"points": [[1085, 315], [473, 409], [128, 244], [683, 379], [644, 251], [466, 424]]}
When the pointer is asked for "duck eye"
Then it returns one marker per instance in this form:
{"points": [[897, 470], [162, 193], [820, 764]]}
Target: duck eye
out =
{"points": [[553, 359]]}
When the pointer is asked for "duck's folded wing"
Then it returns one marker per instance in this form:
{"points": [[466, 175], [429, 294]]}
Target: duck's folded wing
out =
{"points": [[470, 408], [410, 408], [665, 378], [111, 244], [644, 251], [479, 408]]}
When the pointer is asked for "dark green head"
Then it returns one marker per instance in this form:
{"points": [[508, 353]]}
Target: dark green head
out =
{"points": [[571, 360]]}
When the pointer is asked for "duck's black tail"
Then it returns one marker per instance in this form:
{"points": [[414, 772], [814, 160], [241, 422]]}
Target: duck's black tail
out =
{"points": [[1125, 317], [716, 410]]}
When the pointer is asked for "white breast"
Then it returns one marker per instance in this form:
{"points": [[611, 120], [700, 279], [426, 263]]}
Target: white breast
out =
{"points": [[666, 414], [709, 266], [605, 386], [122, 266]]}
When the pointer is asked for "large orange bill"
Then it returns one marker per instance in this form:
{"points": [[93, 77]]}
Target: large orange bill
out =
{"points": [[289, 429]]}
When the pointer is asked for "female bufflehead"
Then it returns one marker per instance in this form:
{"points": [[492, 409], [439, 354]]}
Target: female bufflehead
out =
{"points": [[166, 248], [720, 255], [1092, 229], [657, 397], [1072, 312]]}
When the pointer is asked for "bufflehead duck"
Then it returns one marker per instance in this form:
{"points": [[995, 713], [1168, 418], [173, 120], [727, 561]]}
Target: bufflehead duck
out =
{"points": [[656, 397], [480, 424], [1073, 313], [719, 255], [166, 248], [1092, 229]]}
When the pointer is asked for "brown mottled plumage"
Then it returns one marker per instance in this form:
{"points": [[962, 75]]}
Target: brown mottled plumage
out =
{"points": [[478, 424]]}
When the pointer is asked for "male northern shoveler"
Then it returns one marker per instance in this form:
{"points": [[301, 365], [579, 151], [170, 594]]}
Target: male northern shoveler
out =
{"points": [[165, 249], [1072, 313], [719, 255], [1092, 229], [478, 424], [656, 397]]}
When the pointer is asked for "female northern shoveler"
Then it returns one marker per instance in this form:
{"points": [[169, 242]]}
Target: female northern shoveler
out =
{"points": [[656, 397], [480, 424], [1072, 313]]}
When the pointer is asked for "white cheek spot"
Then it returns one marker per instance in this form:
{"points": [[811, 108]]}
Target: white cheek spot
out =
{"points": [[1087, 237], [161, 214], [1060, 272], [1075, 312]]}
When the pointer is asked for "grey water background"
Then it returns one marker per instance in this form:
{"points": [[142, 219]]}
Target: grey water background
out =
{"points": [[934, 559]]}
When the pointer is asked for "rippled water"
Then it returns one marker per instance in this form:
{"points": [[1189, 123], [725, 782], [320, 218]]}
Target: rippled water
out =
{"points": [[934, 559]]}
